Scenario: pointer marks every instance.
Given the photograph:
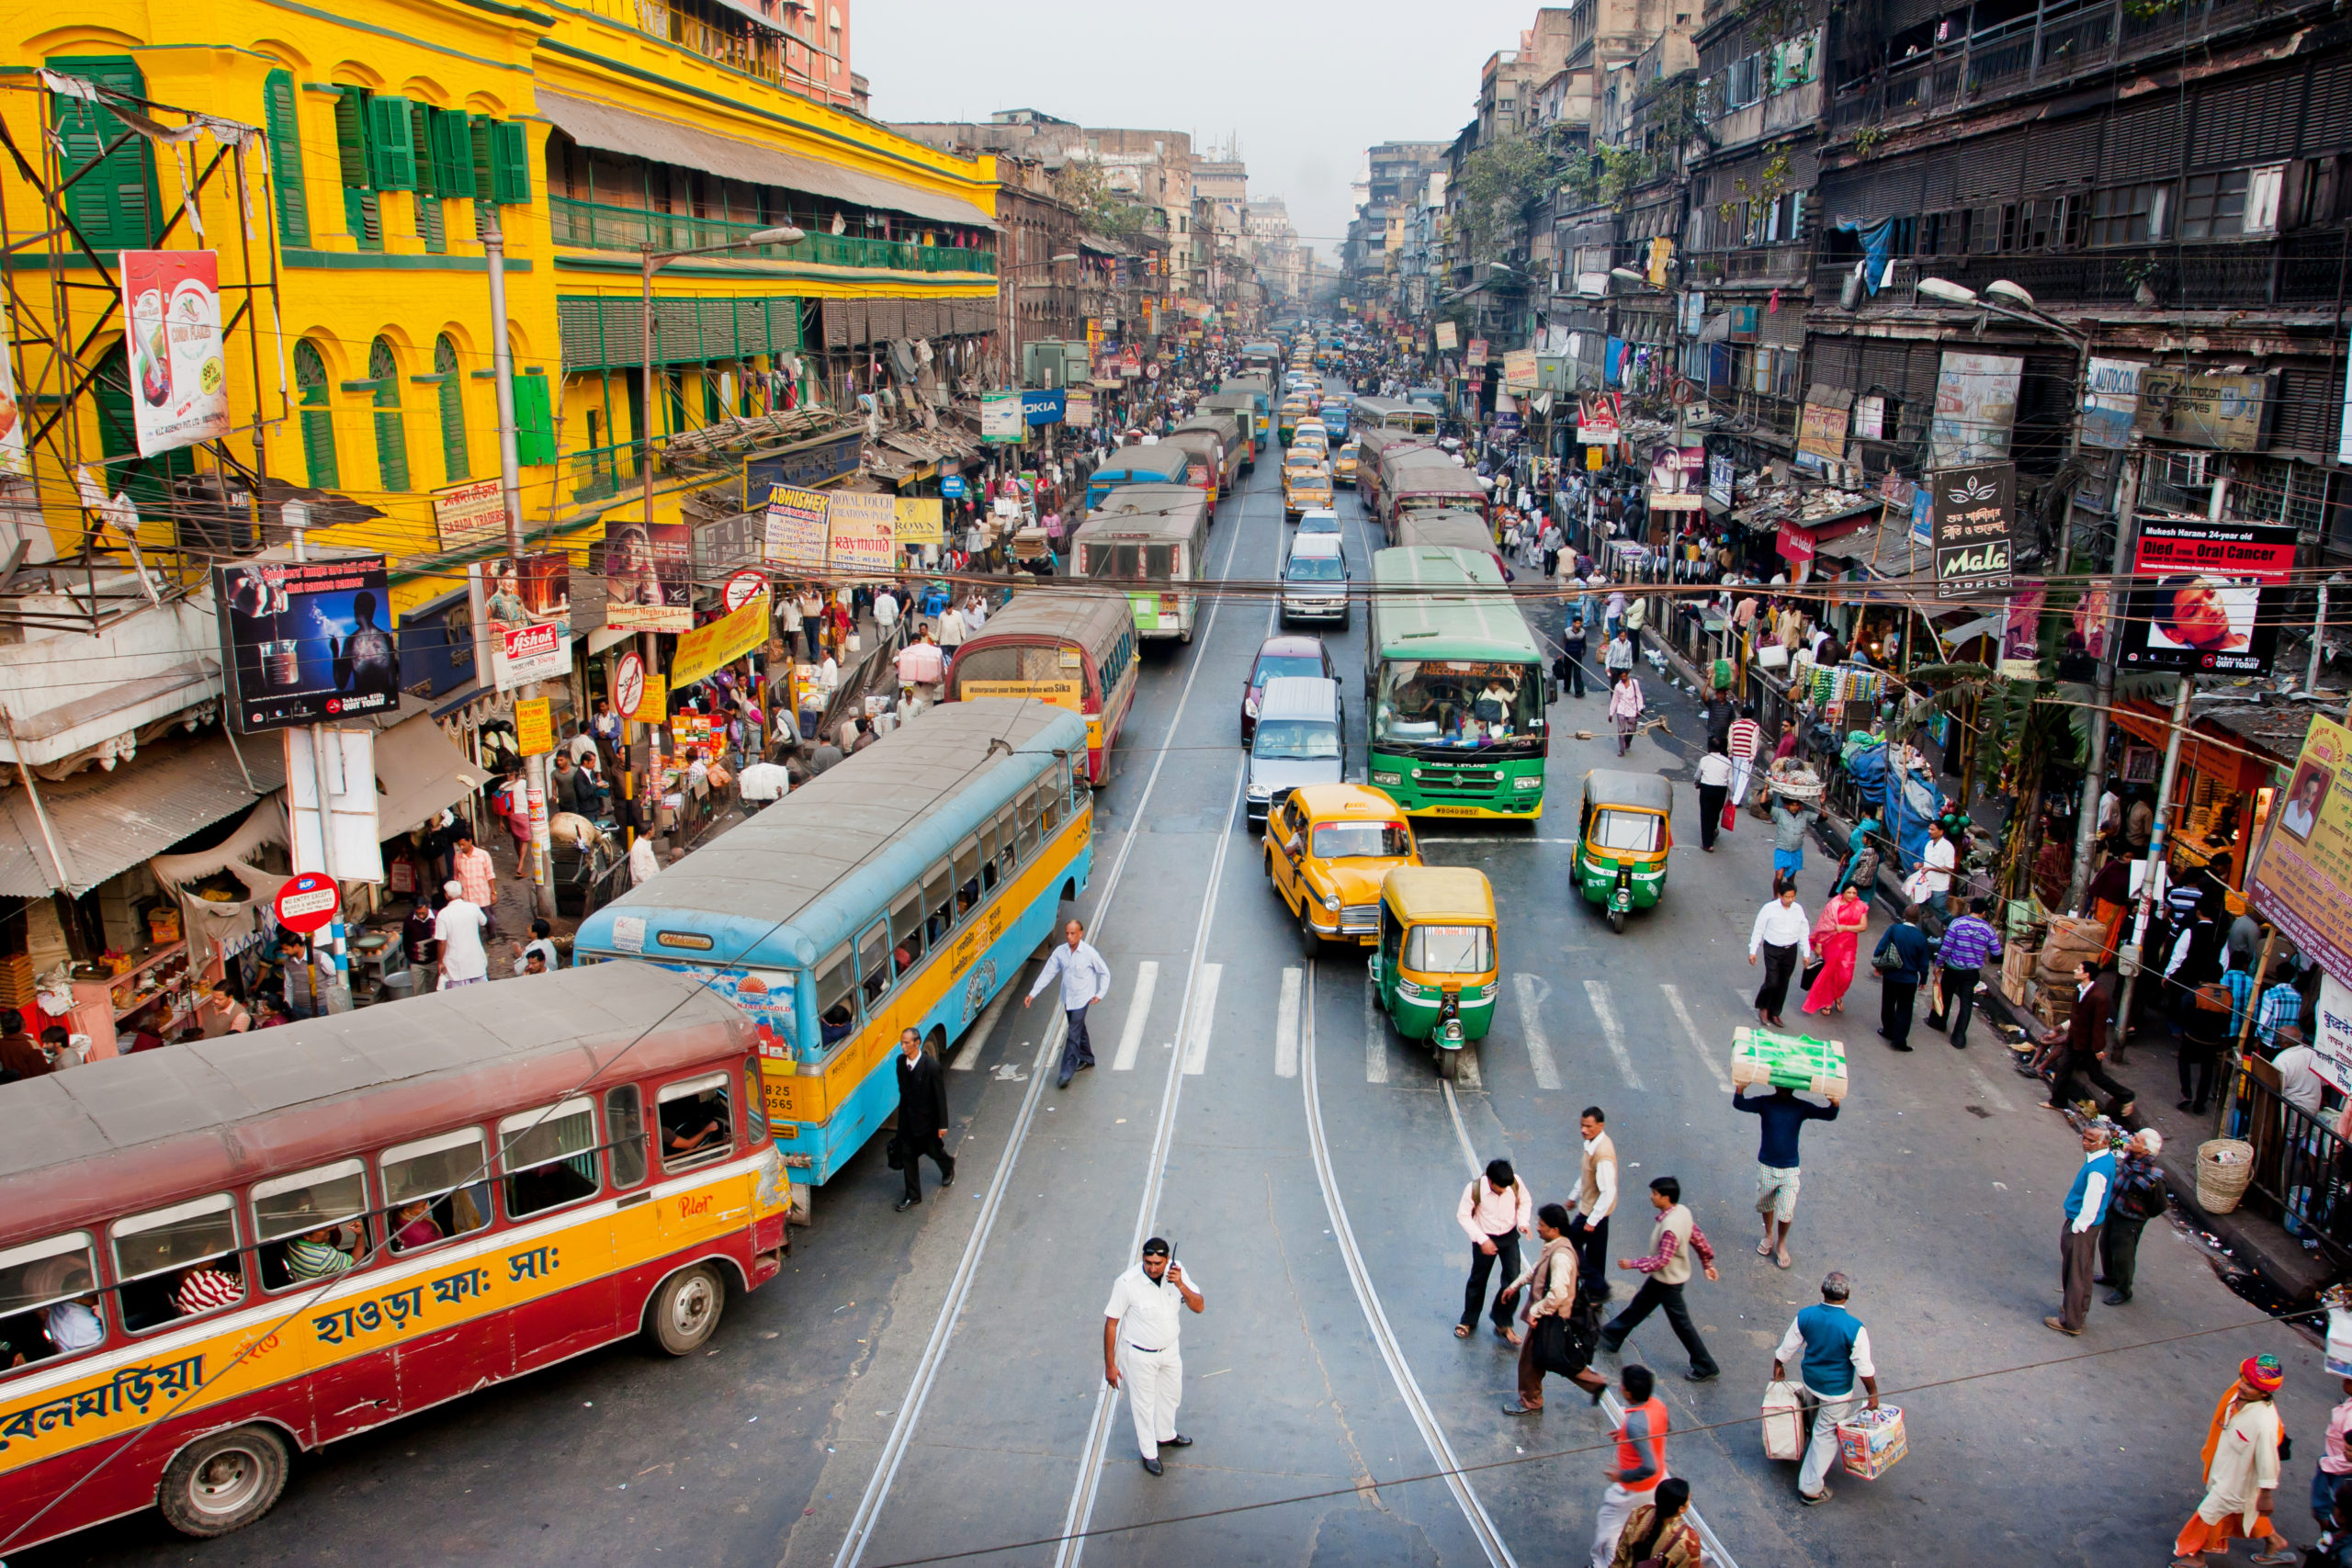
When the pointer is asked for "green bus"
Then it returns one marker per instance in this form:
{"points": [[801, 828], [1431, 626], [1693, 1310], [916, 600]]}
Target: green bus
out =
{"points": [[1456, 683]]}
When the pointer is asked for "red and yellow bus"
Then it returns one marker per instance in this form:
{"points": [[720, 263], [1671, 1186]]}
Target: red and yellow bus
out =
{"points": [[1073, 647], [216, 1255]]}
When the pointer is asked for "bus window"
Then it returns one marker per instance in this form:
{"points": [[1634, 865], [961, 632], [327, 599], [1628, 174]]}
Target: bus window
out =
{"points": [[939, 903], [834, 1017], [874, 963], [625, 1126], [311, 1226], [756, 1100], [49, 1301], [1050, 802], [696, 1126], [1029, 823], [436, 1187], [1007, 839], [178, 1262], [548, 1157], [906, 929], [967, 876], [989, 857]]}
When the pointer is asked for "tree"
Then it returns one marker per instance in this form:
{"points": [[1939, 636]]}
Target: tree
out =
{"points": [[1498, 183], [1085, 186]]}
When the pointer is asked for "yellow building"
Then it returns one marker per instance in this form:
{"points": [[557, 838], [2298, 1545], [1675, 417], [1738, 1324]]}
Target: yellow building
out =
{"points": [[354, 274]]}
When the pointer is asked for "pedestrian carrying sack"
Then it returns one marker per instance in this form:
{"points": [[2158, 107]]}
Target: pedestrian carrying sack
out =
{"points": [[1773, 656], [1783, 1421]]}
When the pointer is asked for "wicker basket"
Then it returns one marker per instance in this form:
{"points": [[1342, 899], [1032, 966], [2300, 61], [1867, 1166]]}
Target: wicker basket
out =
{"points": [[2224, 1166]]}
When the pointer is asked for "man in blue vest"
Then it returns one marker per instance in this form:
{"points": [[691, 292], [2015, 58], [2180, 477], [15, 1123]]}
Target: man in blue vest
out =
{"points": [[2086, 1212], [1831, 1349]]}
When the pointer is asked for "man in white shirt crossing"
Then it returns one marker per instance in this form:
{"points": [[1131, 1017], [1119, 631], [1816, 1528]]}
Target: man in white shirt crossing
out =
{"points": [[1141, 1324], [1086, 980]]}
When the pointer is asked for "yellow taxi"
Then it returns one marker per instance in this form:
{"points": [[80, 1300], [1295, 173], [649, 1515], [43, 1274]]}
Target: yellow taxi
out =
{"points": [[1286, 418], [1328, 847], [1343, 465], [1306, 485]]}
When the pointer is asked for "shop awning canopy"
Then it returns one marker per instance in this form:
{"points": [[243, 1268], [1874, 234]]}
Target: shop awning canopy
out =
{"points": [[419, 772], [106, 822], [615, 129]]}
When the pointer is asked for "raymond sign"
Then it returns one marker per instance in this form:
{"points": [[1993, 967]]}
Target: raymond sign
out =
{"points": [[470, 514], [1970, 518], [863, 534], [306, 902], [1519, 370], [2304, 873]]}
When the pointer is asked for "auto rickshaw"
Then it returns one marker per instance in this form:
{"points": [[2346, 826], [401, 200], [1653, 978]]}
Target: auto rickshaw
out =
{"points": [[1435, 968], [1623, 836]]}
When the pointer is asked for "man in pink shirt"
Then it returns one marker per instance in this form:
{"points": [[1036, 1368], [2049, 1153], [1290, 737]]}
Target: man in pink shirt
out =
{"points": [[477, 875], [2328, 1482], [1495, 1211]]}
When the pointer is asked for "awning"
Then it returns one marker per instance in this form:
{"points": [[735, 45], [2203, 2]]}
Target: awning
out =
{"points": [[108, 822], [418, 772], [616, 130]]}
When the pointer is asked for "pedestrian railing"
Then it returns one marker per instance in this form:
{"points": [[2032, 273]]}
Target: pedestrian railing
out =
{"points": [[2300, 1169]]}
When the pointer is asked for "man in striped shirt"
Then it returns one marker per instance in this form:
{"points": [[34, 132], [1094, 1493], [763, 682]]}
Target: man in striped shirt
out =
{"points": [[1969, 944], [2282, 1007], [1742, 742]]}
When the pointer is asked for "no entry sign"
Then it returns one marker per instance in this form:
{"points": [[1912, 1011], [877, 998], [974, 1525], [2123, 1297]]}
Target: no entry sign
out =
{"points": [[307, 902], [629, 683]]}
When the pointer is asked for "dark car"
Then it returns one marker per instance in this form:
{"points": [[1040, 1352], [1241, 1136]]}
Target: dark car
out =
{"points": [[1283, 656]]}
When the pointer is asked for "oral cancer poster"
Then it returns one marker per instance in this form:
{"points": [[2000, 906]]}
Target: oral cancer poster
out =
{"points": [[179, 378]]}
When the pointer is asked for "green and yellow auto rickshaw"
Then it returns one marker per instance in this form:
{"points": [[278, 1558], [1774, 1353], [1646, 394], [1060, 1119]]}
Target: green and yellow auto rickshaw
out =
{"points": [[1435, 969], [1623, 836]]}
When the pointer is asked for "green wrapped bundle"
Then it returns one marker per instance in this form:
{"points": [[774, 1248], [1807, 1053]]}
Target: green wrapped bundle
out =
{"points": [[1788, 1061]]}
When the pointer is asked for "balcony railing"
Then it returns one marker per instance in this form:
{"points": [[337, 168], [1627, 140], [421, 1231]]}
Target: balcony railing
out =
{"points": [[2296, 270], [597, 471], [2062, 40], [596, 226]]}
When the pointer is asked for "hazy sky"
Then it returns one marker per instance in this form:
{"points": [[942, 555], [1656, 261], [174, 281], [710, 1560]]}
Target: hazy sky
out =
{"points": [[1304, 87]]}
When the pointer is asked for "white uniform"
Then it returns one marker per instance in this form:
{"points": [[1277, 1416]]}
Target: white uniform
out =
{"points": [[1151, 1369]]}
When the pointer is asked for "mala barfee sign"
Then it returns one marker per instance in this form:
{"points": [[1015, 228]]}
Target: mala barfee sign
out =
{"points": [[1788, 1061]]}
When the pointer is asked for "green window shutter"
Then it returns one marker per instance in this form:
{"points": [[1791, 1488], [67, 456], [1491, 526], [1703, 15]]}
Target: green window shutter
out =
{"points": [[316, 417], [420, 141], [391, 451], [534, 422], [510, 164], [284, 127], [351, 137], [452, 149], [392, 144], [430, 227], [114, 204], [478, 128], [452, 392]]}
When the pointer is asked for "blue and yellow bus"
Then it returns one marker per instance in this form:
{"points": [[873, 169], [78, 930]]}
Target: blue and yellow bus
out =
{"points": [[900, 889], [1157, 464]]}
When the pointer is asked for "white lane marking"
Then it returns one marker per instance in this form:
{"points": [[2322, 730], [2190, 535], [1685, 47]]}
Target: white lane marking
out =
{"points": [[1988, 1091], [1460, 1133], [1400, 1371], [1613, 1032], [1533, 989], [1138, 1007], [1287, 1028], [1375, 1037], [868, 1514], [1204, 1020], [1698, 1040], [1466, 1072]]}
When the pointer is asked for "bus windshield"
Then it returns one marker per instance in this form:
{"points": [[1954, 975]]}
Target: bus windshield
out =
{"points": [[1455, 705], [1113, 561]]}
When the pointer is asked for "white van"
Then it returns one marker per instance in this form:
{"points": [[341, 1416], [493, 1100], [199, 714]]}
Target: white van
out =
{"points": [[1301, 723], [1315, 581]]}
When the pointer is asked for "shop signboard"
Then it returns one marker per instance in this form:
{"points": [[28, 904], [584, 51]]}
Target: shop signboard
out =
{"points": [[1477, 352], [999, 417], [1719, 480], [534, 727], [2342, 432], [1598, 421], [468, 514], [649, 575], [919, 519], [1970, 522], [708, 649], [1519, 370], [862, 534], [809, 463], [1042, 405], [1449, 339], [951, 486], [1794, 544], [2335, 1042], [1821, 435], [2110, 402], [1078, 409], [1976, 404], [530, 619], [795, 529], [2229, 413], [2200, 605], [2021, 635], [305, 641], [179, 375], [2302, 879]]}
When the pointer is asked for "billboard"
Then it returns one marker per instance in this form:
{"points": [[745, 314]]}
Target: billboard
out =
{"points": [[2301, 879], [304, 642], [179, 374], [2111, 403], [2198, 605], [470, 514], [1970, 519], [530, 618], [862, 534], [1677, 478], [1976, 404], [796, 528], [708, 649], [2229, 413], [13, 461], [917, 520], [1448, 337], [648, 576], [999, 416], [1821, 435]]}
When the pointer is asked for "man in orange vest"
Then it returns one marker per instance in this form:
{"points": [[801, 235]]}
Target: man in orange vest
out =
{"points": [[1640, 1463]]}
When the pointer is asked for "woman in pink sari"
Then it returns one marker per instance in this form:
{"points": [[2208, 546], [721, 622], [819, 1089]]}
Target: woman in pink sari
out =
{"points": [[1835, 936]]}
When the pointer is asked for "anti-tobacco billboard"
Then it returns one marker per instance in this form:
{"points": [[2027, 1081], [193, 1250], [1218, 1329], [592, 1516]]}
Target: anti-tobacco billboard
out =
{"points": [[2201, 603], [305, 641]]}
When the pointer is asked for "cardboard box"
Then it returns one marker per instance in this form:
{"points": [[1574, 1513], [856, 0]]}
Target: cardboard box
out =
{"points": [[1788, 1061]]}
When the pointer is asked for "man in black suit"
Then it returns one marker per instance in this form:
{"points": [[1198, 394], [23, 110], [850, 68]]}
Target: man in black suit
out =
{"points": [[922, 1115]]}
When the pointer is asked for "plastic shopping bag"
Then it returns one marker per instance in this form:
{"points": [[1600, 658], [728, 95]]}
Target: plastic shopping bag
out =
{"points": [[1783, 1421]]}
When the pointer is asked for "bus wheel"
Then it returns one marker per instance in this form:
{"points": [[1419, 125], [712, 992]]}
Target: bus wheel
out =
{"points": [[685, 1309], [1449, 1064], [224, 1481]]}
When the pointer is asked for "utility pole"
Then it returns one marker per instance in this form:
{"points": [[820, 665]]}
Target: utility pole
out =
{"points": [[337, 989], [540, 872], [2158, 832], [2126, 506]]}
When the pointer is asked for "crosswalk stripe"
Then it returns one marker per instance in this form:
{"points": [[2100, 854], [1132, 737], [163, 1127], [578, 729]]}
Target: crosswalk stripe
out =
{"points": [[1196, 1044], [1533, 989], [1376, 1039], [1466, 1074], [1139, 1007], [1698, 1040], [1286, 1027], [1613, 1032]]}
